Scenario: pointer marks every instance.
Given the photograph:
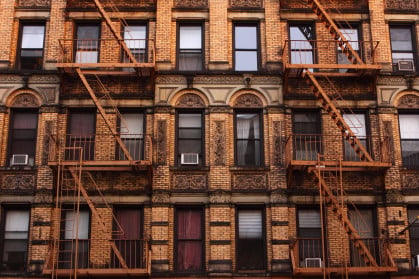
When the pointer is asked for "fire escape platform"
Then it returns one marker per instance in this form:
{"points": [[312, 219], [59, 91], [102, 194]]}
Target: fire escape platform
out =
{"points": [[92, 272], [111, 165], [358, 166], [366, 270]]}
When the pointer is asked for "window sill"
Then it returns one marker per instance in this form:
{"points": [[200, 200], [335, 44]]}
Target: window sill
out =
{"points": [[189, 168], [250, 168]]}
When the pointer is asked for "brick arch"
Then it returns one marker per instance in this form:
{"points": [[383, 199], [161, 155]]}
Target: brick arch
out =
{"points": [[189, 99], [408, 99], [24, 99], [247, 99]]}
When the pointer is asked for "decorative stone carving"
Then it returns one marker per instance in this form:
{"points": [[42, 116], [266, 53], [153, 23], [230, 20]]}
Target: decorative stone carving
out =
{"points": [[220, 196], [246, 3], [248, 101], [394, 196], [402, 4], [46, 141], [34, 3], [250, 181], [18, 182], [409, 101], [219, 144], [191, 3], [279, 196], [190, 182], [410, 181], [161, 142], [25, 100], [278, 144], [170, 79], [160, 197], [190, 101]]}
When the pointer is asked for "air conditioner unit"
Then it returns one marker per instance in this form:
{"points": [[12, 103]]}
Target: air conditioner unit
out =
{"points": [[20, 160], [405, 65], [313, 262], [189, 158]]}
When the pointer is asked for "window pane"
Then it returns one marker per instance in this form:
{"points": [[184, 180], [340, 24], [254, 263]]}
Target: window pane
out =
{"points": [[245, 37], [132, 125], [302, 35], [189, 223], [33, 36], [190, 37], [308, 218], [71, 225], [190, 61], [17, 221], [88, 32], [189, 146], [351, 34], [409, 126], [246, 61], [190, 133], [250, 224], [25, 120], [357, 124], [135, 36], [82, 123], [190, 120], [401, 38]]}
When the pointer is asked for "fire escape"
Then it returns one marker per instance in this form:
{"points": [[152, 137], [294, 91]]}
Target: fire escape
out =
{"points": [[80, 161], [317, 155]]}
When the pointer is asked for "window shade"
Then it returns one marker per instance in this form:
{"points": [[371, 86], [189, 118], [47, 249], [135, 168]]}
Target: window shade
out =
{"points": [[250, 223]]}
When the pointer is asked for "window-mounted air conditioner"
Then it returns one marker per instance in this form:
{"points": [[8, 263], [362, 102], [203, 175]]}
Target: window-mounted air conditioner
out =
{"points": [[20, 160], [405, 65], [313, 262], [189, 158]]}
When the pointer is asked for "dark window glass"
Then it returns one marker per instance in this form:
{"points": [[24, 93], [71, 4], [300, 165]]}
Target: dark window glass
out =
{"points": [[409, 136], [309, 237], [248, 139], [132, 135], [413, 214], [246, 47], [14, 250], [32, 46], [128, 231], [23, 134], [307, 137], [135, 39], [81, 137], [401, 44], [87, 44], [190, 135], [190, 53], [189, 239], [251, 240], [302, 44], [357, 123]]}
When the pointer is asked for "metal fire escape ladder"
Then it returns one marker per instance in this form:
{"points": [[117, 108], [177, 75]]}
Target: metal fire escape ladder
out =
{"points": [[331, 199], [343, 43]]}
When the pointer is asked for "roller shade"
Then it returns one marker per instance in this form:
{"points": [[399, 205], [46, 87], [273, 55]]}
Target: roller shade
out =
{"points": [[250, 223]]}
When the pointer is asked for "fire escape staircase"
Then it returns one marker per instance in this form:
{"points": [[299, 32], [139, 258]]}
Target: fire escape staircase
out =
{"points": [[348, 135]]}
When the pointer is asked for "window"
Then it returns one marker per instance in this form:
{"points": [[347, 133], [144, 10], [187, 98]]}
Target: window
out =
{"points": [[132, 135], [15, 240], [409, 136], [31, 46], [402, 46], [251, 251], [74, 237], [135, 39], [248, 139], [81, 137], [189, 239], [413, 214], [310, 237], [22, 138], [190, 138], [127, 236], [307, 135], [246, 47], [302, 44], [87, 43], [357, 123], [190, 54], [351, 34]]}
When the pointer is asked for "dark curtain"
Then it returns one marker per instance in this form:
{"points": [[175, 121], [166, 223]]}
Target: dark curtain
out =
{"points": [[189, 236]]}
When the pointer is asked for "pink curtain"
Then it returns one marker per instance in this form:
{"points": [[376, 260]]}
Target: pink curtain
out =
{"points": [[189, 236]]}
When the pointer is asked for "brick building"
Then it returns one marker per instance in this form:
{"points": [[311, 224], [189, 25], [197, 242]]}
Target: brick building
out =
{"points": [[209, 138]]}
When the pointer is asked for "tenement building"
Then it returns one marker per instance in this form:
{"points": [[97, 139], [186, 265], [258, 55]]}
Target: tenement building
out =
{"points": [[209, 139]]}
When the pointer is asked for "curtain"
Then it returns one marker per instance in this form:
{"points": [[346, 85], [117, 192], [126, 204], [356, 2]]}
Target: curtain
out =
{"points": [[189, 236], [243, 129]]}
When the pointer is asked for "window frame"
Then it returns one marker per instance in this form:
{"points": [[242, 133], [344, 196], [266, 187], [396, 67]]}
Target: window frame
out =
{"points": [[414, 165], [91, 144], [359, 49], [11, 138], [76, 47], [39, 65], [180, 51], [263, 239], [124, 57], [236, 50], [414, 50], [5, 209], [413, 238], [142, 137], [367, 140], [201, 155], [202, 239], [317, 137], [313, 50]]}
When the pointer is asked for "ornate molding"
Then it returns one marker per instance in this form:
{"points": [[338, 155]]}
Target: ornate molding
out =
{"points": [[220, 197], [160, 197], [190, 101], [25, 100], [409, 101], [190, 182], [19, 182], [250, 182], [34, 3], [394, 196], [191, 3], [278, 154], [218, 80], [410, 181], [170, 80], [161, 142], [219, 144], [246, 3], [279, 196], [248, 101], [402, 4], [46, 141]]}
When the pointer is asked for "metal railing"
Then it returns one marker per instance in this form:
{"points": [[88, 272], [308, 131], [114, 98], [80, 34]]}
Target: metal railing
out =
{"points": [[105, 51], [99, 147]]}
